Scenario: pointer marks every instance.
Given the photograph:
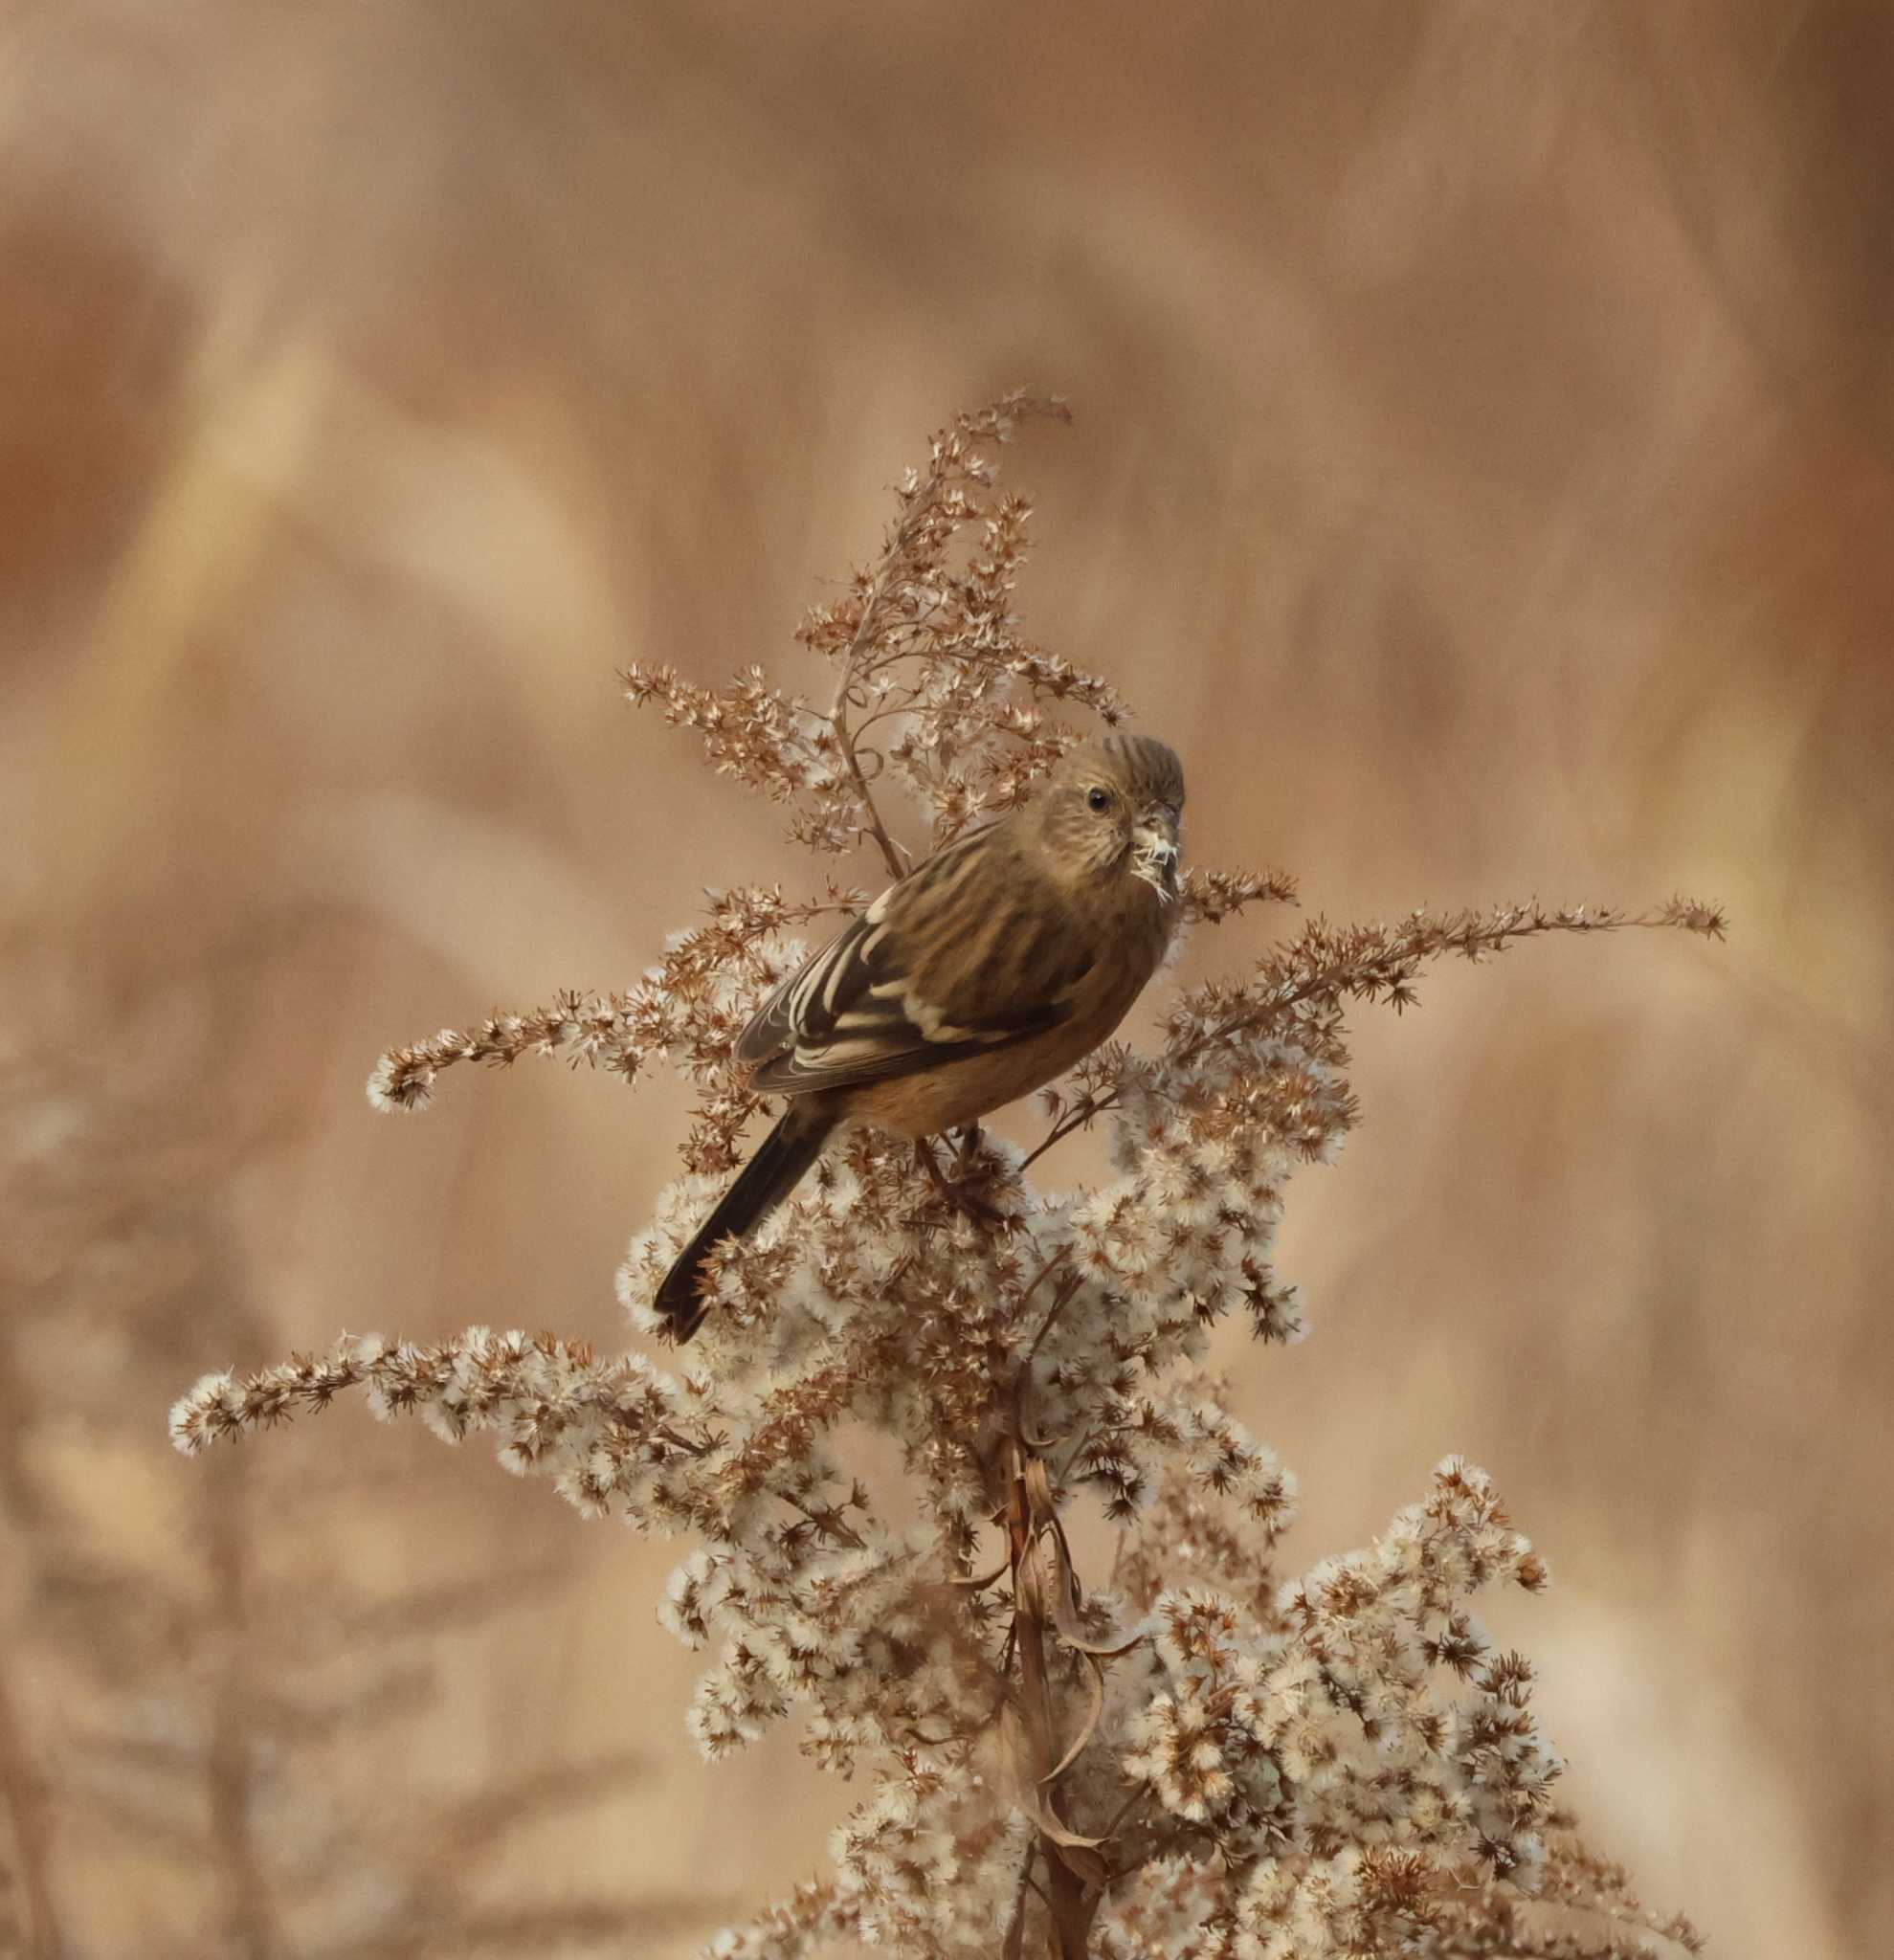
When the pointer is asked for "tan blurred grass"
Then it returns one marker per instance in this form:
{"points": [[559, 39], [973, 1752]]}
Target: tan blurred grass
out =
{"points": [[1482, 474]]}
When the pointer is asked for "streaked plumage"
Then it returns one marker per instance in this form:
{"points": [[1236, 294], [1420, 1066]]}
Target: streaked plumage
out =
{"points": [[986, 971]]}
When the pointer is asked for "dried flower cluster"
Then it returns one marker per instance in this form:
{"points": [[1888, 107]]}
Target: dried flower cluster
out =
{"points": [[1201, 1757]]}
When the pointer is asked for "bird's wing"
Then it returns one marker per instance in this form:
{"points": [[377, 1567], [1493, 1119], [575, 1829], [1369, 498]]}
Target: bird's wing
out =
{"points": [[905, 986]]}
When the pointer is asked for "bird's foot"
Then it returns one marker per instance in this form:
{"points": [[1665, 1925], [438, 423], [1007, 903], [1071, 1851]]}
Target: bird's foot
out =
{"points": [[965, 1189]]}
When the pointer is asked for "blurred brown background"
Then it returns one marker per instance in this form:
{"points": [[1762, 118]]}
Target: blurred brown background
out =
{"points": [[1485, 473]]}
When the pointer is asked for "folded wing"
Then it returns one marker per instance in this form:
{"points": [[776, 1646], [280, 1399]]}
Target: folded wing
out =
{"points": [[933, 969]]}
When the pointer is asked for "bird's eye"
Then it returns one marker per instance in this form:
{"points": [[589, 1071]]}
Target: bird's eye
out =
{"points": [[1098, 799]]}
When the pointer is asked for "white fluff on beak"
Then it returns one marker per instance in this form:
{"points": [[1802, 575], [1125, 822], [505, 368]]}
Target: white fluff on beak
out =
{"points": [[1155, 854]]}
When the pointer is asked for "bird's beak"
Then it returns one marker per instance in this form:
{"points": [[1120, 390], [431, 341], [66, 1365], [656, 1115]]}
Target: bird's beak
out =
{"points": [[1154, 849]]}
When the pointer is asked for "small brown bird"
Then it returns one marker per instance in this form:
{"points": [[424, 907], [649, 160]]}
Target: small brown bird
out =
{"points": [[977, 978]]}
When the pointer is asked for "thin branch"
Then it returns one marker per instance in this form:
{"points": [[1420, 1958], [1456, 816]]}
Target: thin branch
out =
{"points": [[1382, 965], [892, 853], [827, 1520], [899, 548]]}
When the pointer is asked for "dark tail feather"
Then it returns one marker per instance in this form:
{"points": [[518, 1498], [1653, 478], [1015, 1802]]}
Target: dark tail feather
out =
{"points": [[775, 1170]]}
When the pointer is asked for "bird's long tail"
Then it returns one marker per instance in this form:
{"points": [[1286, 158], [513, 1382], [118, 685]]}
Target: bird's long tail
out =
{"points": [[772, 1173]]}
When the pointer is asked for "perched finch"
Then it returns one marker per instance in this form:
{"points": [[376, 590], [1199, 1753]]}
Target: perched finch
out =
{"points": [[986, 971]]}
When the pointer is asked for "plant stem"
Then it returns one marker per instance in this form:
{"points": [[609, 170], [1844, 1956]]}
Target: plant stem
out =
{"points": [[1066, 1893]]}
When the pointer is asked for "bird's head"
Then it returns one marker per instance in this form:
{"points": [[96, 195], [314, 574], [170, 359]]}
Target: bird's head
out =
{"points": [[1114, 808]]}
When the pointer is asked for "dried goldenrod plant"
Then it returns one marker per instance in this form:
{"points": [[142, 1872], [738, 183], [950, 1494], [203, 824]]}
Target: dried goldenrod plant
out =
{"points": [[1191, 1754]]}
